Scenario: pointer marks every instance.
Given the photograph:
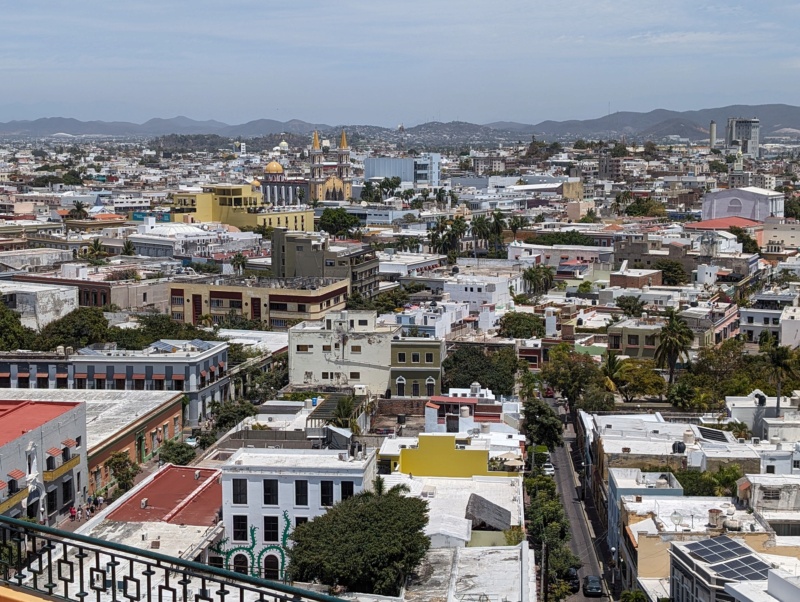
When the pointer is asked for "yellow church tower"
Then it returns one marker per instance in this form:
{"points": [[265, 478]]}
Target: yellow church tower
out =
{"points": [[337, 187]]}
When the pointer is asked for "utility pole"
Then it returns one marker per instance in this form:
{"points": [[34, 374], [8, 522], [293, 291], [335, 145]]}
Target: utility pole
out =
{"points": [[544, 571]]}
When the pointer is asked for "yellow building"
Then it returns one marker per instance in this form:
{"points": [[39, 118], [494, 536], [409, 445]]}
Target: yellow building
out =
{"points": [[239, 205], [338, 187], [442, 455]]}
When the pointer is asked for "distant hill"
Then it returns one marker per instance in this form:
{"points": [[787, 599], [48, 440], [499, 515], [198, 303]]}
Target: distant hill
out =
{"points": [[774, 117], [677, 126]]}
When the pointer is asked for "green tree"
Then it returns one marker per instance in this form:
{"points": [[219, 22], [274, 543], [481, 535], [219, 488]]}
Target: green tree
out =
{"points": [[516, 223], [176, 452], [96, 250], [570, 373], [749, 244], [518, 325], [782, 363], [542, 426], [79, 328], [646, 207], [123, 469], [539, 278], [672, 272], [496, 371], [631, 306], [633, 595], [619, 150], [481, 230], [13, 335], [344, 415], [128, 248], [610, 371], [637, 379], [580, 144], [338, 222], [227, 414], [498, 224], [674, 342], [238, 261], [365, 544], [80, 210], [596, 399], [585, 287]]}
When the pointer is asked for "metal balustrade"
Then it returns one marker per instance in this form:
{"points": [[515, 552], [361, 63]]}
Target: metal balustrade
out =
{"points": [[61, 565]]}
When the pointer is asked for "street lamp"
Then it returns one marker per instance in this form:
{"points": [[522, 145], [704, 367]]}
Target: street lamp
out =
{"points": [[613, 568]]}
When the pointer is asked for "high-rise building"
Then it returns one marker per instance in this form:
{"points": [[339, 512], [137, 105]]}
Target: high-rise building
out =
{"points": [[423, 171], [744, 133], [712, 134]]}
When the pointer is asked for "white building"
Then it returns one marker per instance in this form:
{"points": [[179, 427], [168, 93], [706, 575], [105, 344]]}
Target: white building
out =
{"points": [[780, 586], [267, 492], [751, 202], [480, 290], [436, 319], [345, 348], [38, 304]]}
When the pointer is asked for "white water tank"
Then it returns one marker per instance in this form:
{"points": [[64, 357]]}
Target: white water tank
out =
{"points": [[774, 440], [464, 411], [486, 428], [688, 437]]}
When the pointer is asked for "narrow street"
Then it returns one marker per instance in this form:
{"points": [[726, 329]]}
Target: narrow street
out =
{"points": [[582, 542]]}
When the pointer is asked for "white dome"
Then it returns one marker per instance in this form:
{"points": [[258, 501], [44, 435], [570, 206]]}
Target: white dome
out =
{"points": [[177, 229]]}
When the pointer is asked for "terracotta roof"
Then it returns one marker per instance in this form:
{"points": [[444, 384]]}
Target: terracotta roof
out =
{"points": [[16, 474], [3, 485], [54, 451], [70, 443], [723, 223]]}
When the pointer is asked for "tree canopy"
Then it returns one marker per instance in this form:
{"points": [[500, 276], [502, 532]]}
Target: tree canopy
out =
{"points": [[367, 543], [496, 371], [570, 373], [123, 469], [518, 325], [176, 452], [672, 272], [338, 222]]}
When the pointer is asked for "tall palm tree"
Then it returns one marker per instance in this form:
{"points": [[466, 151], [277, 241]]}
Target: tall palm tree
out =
{"points": [[675, 340], [481, 230], [611, 371], [344, 415], [498, 224], [80, 210], [539, 278], [96, 250], [238, 261], [379, 489], [458, 228], [782, 363], [517, 222], [128, 248]]}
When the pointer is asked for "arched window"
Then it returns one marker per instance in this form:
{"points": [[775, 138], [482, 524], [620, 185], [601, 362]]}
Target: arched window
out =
{"points": [[430, 385], [401, 386], [272, 568], [734, 206], [415, 388], [240, 564]]}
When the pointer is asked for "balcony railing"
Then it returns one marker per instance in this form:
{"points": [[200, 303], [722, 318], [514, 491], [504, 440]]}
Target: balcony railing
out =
{"points": [[67, 566], [52, 475]]}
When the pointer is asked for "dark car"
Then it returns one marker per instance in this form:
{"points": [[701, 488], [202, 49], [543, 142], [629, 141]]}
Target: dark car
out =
{"points": [[573, 580], [592, 586]]}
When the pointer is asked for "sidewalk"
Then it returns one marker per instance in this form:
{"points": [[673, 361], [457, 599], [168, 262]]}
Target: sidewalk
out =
{"points": [[69, 525]]}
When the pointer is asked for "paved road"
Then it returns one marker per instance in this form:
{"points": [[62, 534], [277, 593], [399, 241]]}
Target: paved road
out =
{"points": [[581, 542]]}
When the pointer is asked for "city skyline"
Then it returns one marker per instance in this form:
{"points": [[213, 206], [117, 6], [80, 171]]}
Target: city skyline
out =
{"points": [[364, 63]]}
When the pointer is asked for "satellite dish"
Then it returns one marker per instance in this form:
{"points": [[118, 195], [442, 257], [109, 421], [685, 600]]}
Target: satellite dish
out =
{"points": [[364, 203]]}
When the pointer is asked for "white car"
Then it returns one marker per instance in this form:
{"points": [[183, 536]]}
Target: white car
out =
{"points": [[548, 469], [192, 442]]}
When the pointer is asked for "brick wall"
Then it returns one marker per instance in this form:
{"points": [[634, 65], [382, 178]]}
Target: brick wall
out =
{"points": [[409, 407]]}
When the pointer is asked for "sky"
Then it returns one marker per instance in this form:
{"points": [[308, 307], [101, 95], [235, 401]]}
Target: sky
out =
{"points": [[386, 63]]}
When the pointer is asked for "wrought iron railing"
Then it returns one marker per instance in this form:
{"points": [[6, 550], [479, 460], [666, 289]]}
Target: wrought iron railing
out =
{"points": [[67, 566]]}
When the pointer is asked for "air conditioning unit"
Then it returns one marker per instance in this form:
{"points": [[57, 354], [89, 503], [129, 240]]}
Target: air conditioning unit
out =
{"points": [[143, 503], [741, 440], [755, 441], [461, 447], [196, 475]]}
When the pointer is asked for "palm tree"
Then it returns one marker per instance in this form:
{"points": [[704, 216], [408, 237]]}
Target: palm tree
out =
{"points": [[379, 489], [458, 228], [79, 210], [128, 248], [481, 230], [675, 340], [781, 361], [96, 250], [539, 278], [498, 224], [343, 415], [238, 262], [611, 370], [517, 222]]}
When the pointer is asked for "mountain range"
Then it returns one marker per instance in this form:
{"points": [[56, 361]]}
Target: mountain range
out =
{"points": [[776, 120]]}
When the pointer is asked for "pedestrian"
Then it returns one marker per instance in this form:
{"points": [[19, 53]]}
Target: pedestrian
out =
{"points": [[72, 513], [100, 502], [90, 500], [80, 514]]}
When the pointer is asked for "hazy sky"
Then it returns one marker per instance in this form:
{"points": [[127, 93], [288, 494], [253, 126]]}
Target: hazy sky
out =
{"points": [[371, 61]]}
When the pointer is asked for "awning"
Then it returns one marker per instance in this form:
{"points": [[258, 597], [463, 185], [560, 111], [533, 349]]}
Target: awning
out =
{"points": [[69, 443], [61, 375], [81, 375], [138, 377], [119, 376], [67, 479], [159, 376], [100, 376], [16, 474], [54, 451], [212, 368], [203, 373], [3, 485], [177, 377], [23, 374], [5, 374], [42, 375], [222, 364]]}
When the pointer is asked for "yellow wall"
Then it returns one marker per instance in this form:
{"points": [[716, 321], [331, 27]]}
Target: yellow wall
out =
{"points": [[437, 456]]}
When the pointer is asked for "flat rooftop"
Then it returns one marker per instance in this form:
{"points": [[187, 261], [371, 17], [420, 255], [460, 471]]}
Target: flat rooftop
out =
{"points": [[273, 342], [107, 411], [174, 496], [693, 512], [18, 416], [7, 287], [295, 460]]}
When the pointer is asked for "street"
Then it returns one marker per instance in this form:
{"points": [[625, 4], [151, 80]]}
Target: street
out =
{"points": [[581, 543]]}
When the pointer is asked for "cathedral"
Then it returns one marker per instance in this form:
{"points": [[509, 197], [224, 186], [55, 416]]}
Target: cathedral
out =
{"points": [[332, 187]]}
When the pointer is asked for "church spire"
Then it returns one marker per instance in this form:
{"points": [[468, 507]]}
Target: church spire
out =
{"points": [[343, 140], [315, 141]]}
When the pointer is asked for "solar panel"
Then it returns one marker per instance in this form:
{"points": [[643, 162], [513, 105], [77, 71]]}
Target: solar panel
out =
{"points": [[89, 351], [712, 434], [201, 345], [162, 346]]}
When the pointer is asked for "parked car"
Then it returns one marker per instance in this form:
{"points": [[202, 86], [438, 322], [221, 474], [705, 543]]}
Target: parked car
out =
{"points": [[548, 469], [592, 586], [192, 442], [573, 580]]}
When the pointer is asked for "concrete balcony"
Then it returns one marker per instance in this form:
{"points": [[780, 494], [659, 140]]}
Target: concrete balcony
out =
{"points": [[14, 499], [52, 475]]}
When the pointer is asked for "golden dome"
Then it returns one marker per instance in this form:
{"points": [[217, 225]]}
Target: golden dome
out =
{"points": [[273, 167], [255, 183]]}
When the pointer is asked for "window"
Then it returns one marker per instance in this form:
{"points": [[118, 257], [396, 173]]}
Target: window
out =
{"points": [[304, 348], [633, 340], [270, 492], [325, 375], [650, 340], [50, 463], [239, 528], [240, 564], [401, 387], [355, 375], [301, 307], [415, 358], [415, 389], [216, 561], [300, 520], [401, 358], [430, 387], [771, 494], [348, 489], [52, 500], [301, 493], [326, 493], [78, 441], [272, 567], [749, 319], [363, 322], [239, 491], [356, 348], [795, 463], [770, 469], [270, 528], [66, 492], [326, 347], [428, 358]]}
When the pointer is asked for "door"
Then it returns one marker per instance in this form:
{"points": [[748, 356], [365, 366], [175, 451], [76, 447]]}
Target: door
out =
{"points": [[197, 308]]}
